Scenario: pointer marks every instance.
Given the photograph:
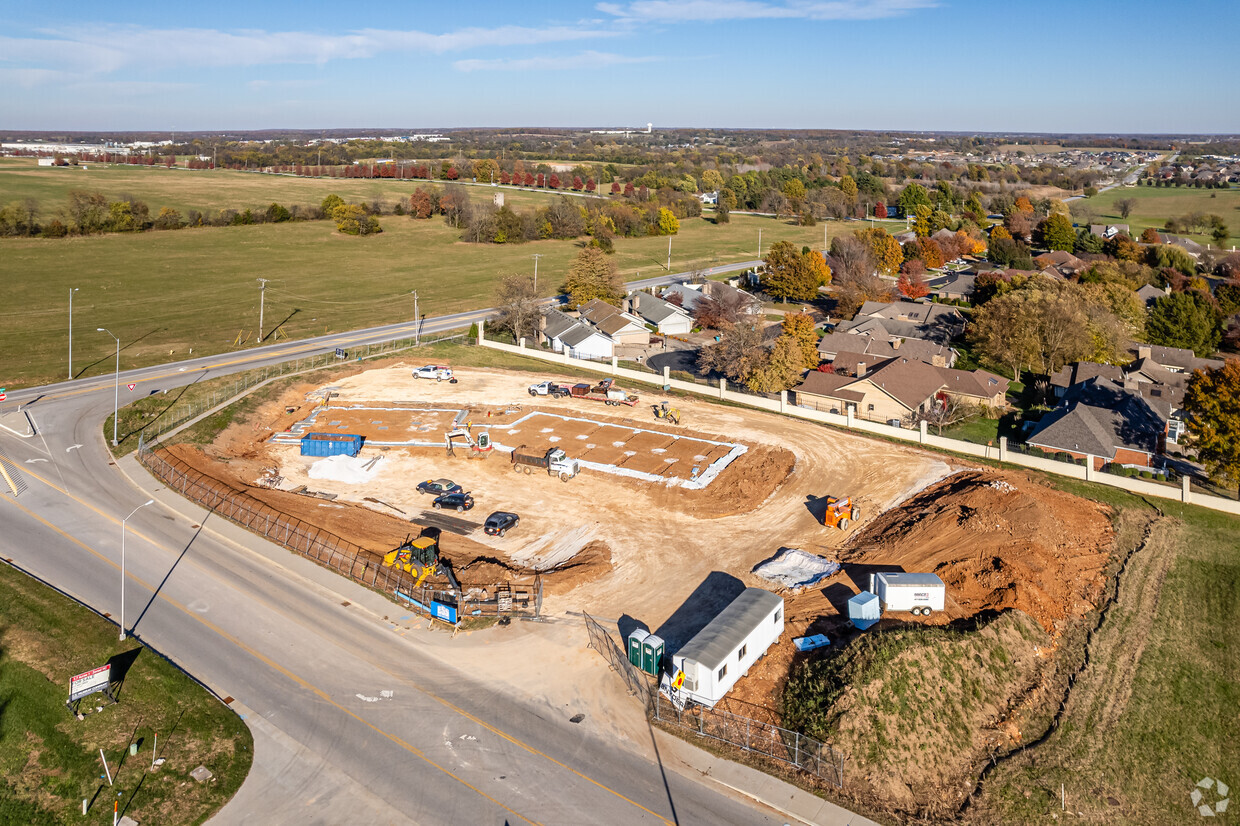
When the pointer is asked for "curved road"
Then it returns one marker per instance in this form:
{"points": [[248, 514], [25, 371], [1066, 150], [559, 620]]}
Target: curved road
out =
{"points": [[307, 654]]}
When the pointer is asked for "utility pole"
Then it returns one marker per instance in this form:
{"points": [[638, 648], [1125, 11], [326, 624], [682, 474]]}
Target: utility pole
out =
{"points": [[262, 300], [759, 243], [669, 253], [537, 255], [72, 290], [417, 321]]}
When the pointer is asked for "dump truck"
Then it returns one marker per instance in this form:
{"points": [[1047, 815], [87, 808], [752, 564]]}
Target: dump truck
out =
{"points": [[555, 461], [918, 594], [840, 512], [605, 391]]}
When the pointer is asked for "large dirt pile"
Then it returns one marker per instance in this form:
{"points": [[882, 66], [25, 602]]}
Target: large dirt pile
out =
{"points": [[998, 540]]}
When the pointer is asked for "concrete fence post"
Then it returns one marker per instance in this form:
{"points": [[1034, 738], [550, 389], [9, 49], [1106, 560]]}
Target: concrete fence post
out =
{"points": [[667, 374], [614, 365], [923, 427], [723, 387], [521, 343], [1186, 493], [851, 415], [1003, 448], [1089, 468], [783, 400], [482, 323], [564, 356]]}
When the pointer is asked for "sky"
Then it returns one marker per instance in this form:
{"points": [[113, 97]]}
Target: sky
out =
{"points": [[950, 65]]}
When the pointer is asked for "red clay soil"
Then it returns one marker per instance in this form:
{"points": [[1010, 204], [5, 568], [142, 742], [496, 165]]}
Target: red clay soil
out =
{"points": [[997, 540]]}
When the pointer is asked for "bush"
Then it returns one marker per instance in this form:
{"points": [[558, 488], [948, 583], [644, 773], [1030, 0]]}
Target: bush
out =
{"points": [[1145, 474]]}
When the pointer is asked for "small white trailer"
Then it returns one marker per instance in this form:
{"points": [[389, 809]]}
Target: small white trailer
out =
{"points": [[722, 652], [917, 593]]}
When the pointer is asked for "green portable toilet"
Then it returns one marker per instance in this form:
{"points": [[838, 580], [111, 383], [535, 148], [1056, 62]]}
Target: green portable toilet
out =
{"points": [[636, 637], [652, 654]]}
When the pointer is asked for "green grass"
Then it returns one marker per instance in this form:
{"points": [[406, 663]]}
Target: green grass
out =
{"points": [[163, 293], [50, 761], [1156, 204]]}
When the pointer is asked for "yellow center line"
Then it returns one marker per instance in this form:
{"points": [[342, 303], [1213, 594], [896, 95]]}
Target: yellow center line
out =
{"points": [[423, 690], [304, 683]]}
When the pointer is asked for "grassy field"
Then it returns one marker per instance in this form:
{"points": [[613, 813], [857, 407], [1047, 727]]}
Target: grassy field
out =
{"points": [[1156, 204], [50, 761], [163, 293], [1154, 711], [185, 189]]}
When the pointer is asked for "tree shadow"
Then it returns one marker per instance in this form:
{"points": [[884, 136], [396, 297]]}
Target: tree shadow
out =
{"points": [[710, 597]]}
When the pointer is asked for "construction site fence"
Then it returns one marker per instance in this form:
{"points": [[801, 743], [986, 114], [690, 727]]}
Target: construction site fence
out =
{"points": [[754, 736], [1000, 452], [518, 598], [182, 414]]}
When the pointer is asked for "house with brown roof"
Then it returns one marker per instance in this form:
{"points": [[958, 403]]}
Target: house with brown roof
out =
{"points": [[898, 389], [611, 321], [843, 346], [1061, 262]]}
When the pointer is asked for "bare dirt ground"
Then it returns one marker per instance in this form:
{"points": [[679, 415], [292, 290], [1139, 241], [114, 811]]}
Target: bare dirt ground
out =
{"points": [[676, 555]]}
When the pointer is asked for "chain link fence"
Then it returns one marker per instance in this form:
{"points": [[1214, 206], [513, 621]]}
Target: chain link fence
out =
{"points": [[755, 736]]}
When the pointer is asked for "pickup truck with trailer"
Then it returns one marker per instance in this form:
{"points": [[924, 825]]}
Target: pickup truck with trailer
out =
{"points": [[550, 388], [605, 391], [555, 461]]}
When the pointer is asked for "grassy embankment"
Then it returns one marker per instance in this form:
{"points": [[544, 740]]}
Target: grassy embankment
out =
{"points": [[50, 761], [1156, 204], [166, 292]]}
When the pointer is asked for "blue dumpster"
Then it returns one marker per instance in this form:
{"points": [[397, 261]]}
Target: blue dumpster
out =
{"points": [[331, 444]]}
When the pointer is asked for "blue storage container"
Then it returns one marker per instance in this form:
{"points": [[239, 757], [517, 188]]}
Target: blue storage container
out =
{"points": [[864, 610], [330, 444]]}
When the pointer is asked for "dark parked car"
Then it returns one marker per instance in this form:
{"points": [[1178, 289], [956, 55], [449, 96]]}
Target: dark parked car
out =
{"points": [[438, 486], [498, 523], [460, 501]]}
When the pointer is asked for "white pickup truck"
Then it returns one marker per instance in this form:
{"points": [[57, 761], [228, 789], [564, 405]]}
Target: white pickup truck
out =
{"points": [[550, 388], [432, 371]]}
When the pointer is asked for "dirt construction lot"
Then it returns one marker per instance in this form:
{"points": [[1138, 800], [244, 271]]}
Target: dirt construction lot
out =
{"points": [[677, 555]]}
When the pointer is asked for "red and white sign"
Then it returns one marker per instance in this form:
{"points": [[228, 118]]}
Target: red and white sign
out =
{"points": [[89, 682], [3, 396], [131, 386]]}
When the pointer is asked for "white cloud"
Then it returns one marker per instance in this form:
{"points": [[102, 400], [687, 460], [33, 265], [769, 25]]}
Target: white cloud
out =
{"points": [[679, 11], [104, 49], [584, 60]]}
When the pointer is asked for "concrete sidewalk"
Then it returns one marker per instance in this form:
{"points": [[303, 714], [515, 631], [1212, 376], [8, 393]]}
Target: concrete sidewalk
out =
{"points": [[682, 757]]}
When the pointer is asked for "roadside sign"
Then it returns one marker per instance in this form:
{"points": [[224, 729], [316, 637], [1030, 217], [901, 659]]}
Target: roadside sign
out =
{"points": [[443, 611], [341, 354], [88, 682], [679, 681], [131, 386], [3, 395]]}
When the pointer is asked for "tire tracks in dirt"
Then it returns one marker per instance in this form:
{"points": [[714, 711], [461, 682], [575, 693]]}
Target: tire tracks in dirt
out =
{"points": [[1101, 685]]}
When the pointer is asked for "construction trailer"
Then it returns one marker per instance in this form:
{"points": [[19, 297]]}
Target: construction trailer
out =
{"points": [[916, 593], [722, 652], [605, 391], [331, 444]]}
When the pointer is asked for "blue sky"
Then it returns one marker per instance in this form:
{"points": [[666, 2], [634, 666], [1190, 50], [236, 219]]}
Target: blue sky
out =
{"points": [[1003, 65]]}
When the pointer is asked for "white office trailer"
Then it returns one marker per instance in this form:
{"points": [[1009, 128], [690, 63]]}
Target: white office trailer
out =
{"points": [[721, 653], [917, 593]]}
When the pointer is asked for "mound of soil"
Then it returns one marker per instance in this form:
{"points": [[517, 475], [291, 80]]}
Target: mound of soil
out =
{"points": [[997, 540]]}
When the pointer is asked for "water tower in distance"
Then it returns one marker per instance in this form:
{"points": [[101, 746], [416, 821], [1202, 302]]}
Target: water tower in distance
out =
{"points": [[649, 128]]}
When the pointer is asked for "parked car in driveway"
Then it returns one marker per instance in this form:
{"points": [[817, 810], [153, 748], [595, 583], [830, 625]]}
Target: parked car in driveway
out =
{"points": [[460, 501], [500, 522], [433, 371], [438, 486]]}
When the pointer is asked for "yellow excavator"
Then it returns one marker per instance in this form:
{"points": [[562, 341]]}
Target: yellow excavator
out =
{"points": [[420, 557], [667, 412]]}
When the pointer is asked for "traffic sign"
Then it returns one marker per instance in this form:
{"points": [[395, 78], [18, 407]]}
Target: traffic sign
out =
{"points": [[131, 386], [3, 395]]}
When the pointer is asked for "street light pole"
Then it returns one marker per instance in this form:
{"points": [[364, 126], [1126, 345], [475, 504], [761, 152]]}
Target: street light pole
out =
{"points": [[669, 253], [116, 392], [123, 521], [537, 255], [417, 322], [759, 243], [72, 290], [262, 302]]}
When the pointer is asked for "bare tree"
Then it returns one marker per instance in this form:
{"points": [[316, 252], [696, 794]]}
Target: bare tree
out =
{"points": [[1124, 206], [518, 305], [718, 310], [739, 350], [947, 410]]}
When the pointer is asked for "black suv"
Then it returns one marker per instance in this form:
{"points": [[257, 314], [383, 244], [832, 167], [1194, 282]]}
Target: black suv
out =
{"points": [[460, 501], [498, 523]]}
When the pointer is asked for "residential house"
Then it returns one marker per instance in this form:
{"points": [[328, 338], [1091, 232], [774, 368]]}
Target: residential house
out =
{"points": [[1109, 230], [1187, 244], [667, 318], [1105, 420], [897, 389], [1175, 359], [687, 295], [621, 327], [845, 345], [907, 319], [1063, 264], [565, 333], [958, 286], [1149, 295]]}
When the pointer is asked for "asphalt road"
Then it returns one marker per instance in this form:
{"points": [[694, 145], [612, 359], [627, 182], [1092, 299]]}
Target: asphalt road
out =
{"points": [[304, 660]]}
